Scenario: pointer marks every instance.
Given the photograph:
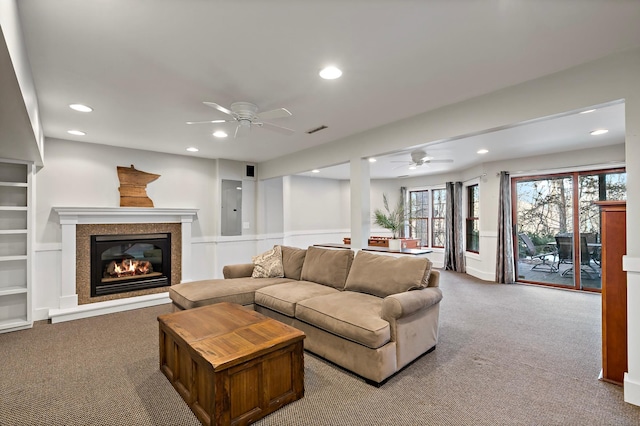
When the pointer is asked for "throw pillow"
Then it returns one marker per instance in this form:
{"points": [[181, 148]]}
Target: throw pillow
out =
{"points": [[381, 275], [268, 264]]}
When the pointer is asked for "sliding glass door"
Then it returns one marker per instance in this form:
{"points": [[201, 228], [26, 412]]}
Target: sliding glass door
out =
{"points": [[557, 226]]}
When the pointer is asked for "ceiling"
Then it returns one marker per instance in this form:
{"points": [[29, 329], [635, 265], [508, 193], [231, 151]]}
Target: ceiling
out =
{"points": [[145, 67]]}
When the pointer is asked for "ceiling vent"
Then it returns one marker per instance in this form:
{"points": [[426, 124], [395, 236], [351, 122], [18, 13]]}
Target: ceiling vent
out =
{"points": [[317, 129]]}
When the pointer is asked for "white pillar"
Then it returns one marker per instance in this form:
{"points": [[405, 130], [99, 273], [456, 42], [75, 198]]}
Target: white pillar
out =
{"points": [[68, 295], [187, 266], [631, 262], [360, 203]]}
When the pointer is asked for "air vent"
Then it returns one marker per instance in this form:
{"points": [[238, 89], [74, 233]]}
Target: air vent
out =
{"points": [[317, 129]]}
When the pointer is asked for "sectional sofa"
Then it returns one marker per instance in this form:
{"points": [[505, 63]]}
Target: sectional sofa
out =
{"points": [[368, 313]]}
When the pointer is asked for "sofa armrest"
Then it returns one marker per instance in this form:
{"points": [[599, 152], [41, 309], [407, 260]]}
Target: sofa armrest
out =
{"points": [[403, 304], [238, 271]]}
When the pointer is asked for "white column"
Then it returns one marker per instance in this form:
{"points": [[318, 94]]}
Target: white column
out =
{"points": [[68, 295], [187, 267], [360, 203], [631, 262]]}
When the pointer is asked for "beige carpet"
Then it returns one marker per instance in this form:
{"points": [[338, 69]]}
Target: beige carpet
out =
{"points": [[508, 355]]}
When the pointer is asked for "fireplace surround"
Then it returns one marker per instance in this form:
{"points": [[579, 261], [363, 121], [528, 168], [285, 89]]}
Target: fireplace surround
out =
{"points": [[79, 223]]}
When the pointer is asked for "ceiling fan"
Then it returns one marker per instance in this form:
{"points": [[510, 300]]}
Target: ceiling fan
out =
{"points": [[246, 115], [419, 157]]}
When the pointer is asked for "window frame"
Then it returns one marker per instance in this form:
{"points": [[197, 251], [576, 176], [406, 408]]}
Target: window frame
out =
{"points": [[472, 216], [430, 190]]}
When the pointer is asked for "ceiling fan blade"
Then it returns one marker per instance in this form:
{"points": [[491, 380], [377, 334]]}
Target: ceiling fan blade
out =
{"points": [[274, 127], [274, 113], [209, 121], [440, 161], [220, 108]]}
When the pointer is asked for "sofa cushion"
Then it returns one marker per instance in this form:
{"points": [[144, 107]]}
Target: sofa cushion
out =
{"points": [[382, 275], [292, 260], [328, 267], [353, 316], [207, 292], [268, 264], [283, 297]]}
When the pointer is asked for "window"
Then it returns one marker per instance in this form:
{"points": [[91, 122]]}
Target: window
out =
{"points": [[426, 216], [557, 215], [473, 211], [439, 212], [419, 216]]}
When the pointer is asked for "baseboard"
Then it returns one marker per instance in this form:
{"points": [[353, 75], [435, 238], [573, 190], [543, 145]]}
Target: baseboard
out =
{"points": [[108, 307], [485, 276], [631, 390]]}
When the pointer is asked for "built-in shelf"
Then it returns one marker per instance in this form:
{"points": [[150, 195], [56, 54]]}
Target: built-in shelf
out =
{"points": [[11, 258], [14, 324], [12, 290], [17, 184], [14, 208], [12, 231], [16, 245]]}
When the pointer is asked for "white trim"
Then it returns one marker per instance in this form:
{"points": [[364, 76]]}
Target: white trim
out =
{"points": [[631, 390], [111, 215], [630, 264], [48, 247], [288, 234], [571, 169], [485, 276], [108, 307]]}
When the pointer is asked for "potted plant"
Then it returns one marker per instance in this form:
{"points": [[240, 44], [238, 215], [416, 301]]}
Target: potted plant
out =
{"points": [[393, 220]]}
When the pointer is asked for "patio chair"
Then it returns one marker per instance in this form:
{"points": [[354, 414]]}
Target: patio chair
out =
{"points": [[565, 255], [543, 258]]}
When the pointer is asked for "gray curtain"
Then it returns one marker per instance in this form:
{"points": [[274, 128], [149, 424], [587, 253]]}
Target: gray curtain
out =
{"points": [[403, 194], [453, 240], [505, 265]]}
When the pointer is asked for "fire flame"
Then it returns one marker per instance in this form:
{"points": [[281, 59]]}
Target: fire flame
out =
{"points": [[128, 267]]}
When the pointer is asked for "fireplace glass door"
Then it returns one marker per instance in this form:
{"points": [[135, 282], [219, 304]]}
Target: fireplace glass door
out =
{"points": [[121, 263]]}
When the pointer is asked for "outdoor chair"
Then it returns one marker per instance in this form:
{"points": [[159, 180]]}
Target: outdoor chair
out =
{"points": [[564, 245], [542, 258]]}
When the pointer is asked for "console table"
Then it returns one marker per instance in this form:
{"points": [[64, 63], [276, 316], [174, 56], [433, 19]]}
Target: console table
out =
{"points": [[409, 251]]}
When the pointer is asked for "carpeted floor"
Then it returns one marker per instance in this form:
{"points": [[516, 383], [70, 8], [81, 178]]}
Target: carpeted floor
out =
{"points": [[508, 355]]}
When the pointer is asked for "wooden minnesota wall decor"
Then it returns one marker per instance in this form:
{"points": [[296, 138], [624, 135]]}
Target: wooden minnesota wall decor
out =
{"points": [[133, 187]]}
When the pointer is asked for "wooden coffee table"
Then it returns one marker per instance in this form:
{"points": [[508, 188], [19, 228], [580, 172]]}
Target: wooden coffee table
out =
{"points": [[230, 364]]}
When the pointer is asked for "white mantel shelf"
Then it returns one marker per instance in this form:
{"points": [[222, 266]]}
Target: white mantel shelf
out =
{"points": [[108, 215], [70, 217]]}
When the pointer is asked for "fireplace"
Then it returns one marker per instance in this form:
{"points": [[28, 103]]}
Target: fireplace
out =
{"points": [[122, 263]]}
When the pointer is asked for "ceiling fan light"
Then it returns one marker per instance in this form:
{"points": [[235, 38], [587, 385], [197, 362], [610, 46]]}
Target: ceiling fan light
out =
{"points": [[412, 167], [426, 158]]}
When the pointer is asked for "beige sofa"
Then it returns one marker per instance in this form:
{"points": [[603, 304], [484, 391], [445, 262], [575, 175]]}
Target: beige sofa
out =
{"points": [[371, 314]]}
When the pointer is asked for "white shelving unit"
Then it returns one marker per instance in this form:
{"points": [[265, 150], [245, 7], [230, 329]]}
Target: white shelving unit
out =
{"points": [[16, 245]]}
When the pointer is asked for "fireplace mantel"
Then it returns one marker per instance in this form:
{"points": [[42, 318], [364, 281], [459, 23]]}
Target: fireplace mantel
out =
{"points": [[70, 217]]}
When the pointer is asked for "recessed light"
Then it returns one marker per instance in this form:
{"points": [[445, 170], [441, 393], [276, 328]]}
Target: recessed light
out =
{"points": [[330, 73], [372, 160], [315, 171], [599, 132], [587, 111], [81, 108], [483, 151], [192, 149], [239, 188], [220, 134], [76, 132]]}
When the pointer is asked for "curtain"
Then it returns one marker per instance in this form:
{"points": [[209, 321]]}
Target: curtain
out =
{"points": [[403, 195], [505, 265], [453, 240]]}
